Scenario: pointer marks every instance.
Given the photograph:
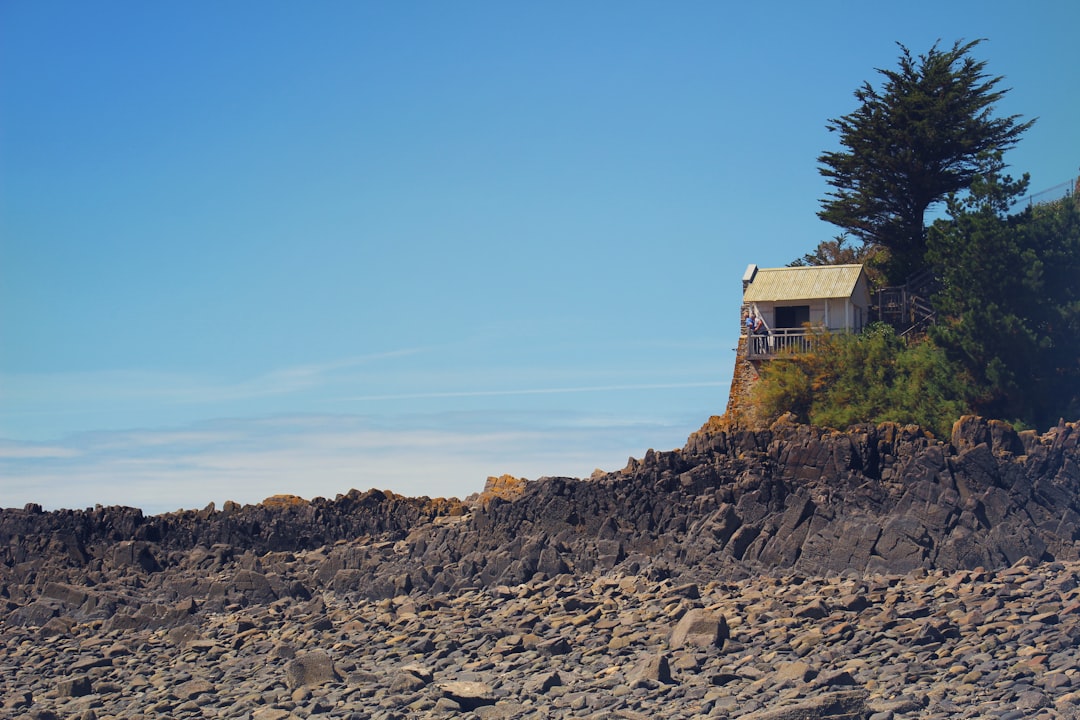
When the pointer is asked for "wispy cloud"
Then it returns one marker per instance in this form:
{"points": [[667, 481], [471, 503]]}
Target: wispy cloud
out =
{"points": [[183, 387], [249, 460], [541, 391], [28, 451], [88, 399], [298, 378], [378, 420]]}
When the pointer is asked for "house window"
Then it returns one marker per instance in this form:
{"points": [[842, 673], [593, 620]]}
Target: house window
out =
{"points": [[792, 316]]}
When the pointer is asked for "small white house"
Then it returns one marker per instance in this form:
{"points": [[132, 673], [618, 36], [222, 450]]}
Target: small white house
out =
{"points": [[832, 297]]}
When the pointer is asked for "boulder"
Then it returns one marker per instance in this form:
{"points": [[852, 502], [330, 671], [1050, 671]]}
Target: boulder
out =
{"points": [[468, 694], [653, 668], [841, 705], [699, 628], [313, 668]]}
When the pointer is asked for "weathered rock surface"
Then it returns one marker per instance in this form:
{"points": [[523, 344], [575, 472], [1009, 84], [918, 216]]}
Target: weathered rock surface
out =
{"points": [[966, 644], [794, 572], [885, 498], [699, 628]]}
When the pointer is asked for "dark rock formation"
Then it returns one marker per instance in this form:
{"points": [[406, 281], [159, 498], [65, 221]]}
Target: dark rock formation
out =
{"points": [[875, 498], [885, 498], [124, 537]]}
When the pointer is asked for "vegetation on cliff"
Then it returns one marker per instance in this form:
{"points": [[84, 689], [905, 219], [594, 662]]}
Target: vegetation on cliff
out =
{"points": [[1007, 339], [1010, 303], [872, 377]]}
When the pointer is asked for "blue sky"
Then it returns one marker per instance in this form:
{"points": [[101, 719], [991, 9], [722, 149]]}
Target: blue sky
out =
{"points": [[249, 248]]}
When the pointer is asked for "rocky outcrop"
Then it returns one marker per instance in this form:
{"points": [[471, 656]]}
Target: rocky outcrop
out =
{"points": [[504, 487], [281, 522], [873, 499], [884, 498], [740, 405]]}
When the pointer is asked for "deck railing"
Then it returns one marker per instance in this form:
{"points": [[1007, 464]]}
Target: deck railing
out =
{"points": [[780, 341]]}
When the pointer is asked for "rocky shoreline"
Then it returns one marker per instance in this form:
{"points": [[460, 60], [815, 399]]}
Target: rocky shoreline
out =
{"points": [[783, 573], [968, 644]]}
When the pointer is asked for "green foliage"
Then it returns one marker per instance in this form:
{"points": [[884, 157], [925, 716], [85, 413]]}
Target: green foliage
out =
{"points": [[841, 251], [931, 390], [787, 385], [1011, 300], [871, 377], [926, 133], [1007, 341], [1007, 344], [838, 251]]}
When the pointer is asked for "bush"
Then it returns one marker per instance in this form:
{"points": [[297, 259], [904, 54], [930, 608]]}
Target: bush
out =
{"points": [[871, 377]]}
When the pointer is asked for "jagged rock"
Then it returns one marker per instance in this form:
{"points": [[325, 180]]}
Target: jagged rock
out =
{"points": [[252, 585], [544, 682], [18, 700], [56, 626], [65, 594], [182, 634], [926, 644], [272, 713], [193, 689], [798, 672], [760, 570], [885, 498], [554, 646], [407, 682], [651, 668], [132, 554], [503, 487], [36, 614]]}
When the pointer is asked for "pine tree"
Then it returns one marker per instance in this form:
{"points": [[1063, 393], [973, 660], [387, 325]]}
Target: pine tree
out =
{"points": [[926, 133]]}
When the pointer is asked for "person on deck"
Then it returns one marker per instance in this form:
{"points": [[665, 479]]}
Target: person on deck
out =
{"points": [[761, 336]]}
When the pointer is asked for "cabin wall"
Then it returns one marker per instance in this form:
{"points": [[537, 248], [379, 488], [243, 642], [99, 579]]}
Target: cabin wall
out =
{"points": [[836, 314]]}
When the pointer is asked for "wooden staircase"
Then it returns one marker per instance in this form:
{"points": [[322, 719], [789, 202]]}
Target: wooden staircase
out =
{"points": [[907, 307]]}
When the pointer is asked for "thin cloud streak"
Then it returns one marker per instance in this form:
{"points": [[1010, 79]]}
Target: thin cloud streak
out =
{"points": [[180, 387], [538, 391], [305, 376], [42, 406], [28, 451]]}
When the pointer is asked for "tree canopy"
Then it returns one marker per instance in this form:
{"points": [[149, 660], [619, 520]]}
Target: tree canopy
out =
{"points": [[841, 251], [1007, 339], [927, 132], [1007, 344], [1010, 303]]}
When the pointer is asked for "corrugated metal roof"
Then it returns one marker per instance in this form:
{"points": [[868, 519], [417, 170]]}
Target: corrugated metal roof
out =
{"points": [[803, 283]]}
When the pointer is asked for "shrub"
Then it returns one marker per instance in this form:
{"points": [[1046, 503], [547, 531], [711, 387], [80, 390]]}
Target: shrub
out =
{"points": [[874, 376]]}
